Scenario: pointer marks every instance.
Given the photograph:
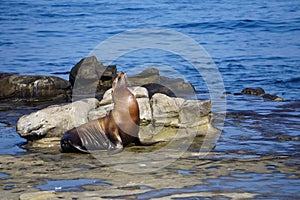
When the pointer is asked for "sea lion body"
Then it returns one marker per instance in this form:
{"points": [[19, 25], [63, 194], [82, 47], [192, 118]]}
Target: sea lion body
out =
{"points": [[114, 131]]}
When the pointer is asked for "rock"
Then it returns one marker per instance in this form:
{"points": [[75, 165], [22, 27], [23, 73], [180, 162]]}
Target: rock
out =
{"points": [[259, 91], [146, 77], [38, 195], [145, 111], [177, 112], [139, 92], [165, 110], [154, 83], [192, 113], [90, 78], [272, 97], [3, 75], [253, 91], [34, 88], [154, 88], [54, 121], [100, 112], [179, 87], [107, 98]]}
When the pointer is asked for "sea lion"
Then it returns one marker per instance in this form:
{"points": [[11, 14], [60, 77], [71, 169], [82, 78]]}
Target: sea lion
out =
{"points": [[114, 131]]}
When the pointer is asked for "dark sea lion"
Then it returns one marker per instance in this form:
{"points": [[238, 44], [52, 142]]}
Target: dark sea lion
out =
{"points": [[114, 131]]}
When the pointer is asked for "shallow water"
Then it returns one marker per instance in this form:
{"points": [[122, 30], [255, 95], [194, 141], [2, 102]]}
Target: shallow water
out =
{"points": [[254, 44]]}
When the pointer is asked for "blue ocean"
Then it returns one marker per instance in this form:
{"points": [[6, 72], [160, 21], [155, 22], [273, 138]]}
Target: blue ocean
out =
{"points": [[252, 43]]}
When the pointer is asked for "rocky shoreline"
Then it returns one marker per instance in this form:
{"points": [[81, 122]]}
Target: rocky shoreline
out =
{"points": [[32, 175], [166, 105]]}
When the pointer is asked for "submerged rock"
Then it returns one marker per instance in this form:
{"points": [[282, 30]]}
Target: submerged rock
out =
{"points": [[260, 92], [272, 97], [34, 88], [253, 91]]}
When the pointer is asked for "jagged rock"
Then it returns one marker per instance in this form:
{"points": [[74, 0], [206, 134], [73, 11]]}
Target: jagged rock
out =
{"points": [[53, 121], [90, 78], [34, 88], [253, 91]]}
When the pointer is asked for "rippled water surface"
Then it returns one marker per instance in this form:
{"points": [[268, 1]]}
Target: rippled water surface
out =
{"points": [[253, 43]]}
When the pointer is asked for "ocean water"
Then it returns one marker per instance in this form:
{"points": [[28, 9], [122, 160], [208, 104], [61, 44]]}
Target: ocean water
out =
{"points": [[253, 44]]}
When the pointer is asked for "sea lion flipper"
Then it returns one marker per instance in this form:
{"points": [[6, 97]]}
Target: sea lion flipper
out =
{"points": [[70, 142], [113, 149], [93, 137], [80, 148]]}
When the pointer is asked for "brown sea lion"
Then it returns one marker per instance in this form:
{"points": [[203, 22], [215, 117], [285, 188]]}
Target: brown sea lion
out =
{"points": [[114, 131]]}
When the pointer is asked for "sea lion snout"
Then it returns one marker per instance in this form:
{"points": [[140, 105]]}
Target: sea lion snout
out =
{"points": [[120, 81]]}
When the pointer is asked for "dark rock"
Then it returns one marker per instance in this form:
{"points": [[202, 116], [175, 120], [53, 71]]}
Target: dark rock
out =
{"points": [[179, 87], [34, 88], [253, 91], [149, 76], [90, 78], [154, 83], [154, 88]]}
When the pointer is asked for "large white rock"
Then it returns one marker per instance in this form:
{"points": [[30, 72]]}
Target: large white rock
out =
{"points": [[54, 120]]}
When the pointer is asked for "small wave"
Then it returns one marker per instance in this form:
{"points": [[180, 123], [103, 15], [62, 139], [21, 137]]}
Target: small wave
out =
{"points": [[264, 25], [289, 80], [294, 80]]}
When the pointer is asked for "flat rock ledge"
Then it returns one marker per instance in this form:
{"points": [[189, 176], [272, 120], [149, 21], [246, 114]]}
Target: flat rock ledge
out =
{"points": [[162, 117]]}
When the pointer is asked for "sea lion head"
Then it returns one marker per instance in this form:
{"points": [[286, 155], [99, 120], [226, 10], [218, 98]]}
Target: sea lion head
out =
{"points": [[120, 82]]}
